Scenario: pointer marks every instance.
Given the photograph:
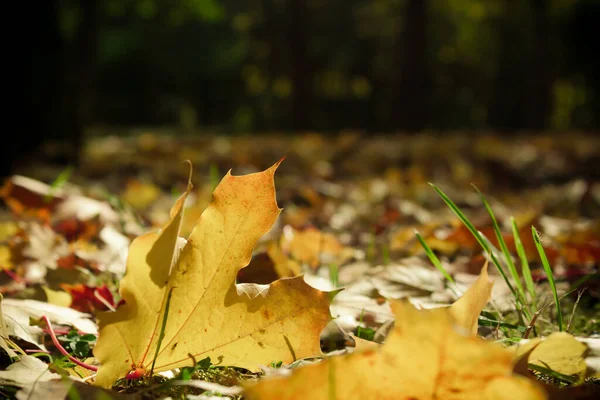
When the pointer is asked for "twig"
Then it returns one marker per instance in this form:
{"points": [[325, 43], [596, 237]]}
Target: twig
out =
{"points": [[62, 349], [103, 300], [579, 294], [537, 314], [14, 276]]}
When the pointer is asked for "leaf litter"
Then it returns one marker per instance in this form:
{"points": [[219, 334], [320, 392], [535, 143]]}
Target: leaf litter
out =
{"points": [[346, 235]]}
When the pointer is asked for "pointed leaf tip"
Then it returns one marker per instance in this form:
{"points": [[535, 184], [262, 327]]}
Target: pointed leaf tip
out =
{"points": [[189, 185], [466, 310]]}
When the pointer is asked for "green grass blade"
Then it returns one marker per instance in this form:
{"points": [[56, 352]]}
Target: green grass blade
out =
{"points": [[493, 323], [524, 262], [214, 176], [360, 321], [162, 329], [548, 270], [478, 236], [334, 275], [556, 375], [371, 248], [507, 256], [385, 254], [60, 180], [434, 259], [436, 262]]}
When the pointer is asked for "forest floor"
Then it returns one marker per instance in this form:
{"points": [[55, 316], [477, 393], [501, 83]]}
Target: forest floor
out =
{"points": [[352, 206]]}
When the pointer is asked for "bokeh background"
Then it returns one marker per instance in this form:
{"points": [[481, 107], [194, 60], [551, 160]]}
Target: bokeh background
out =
{"points": [[224, 66]]}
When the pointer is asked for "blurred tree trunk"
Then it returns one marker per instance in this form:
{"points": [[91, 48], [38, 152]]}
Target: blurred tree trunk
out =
{"points": [[508, 101], [582, 25], [79, 79], [540, 100], [414, 80], [35, 54], [302, 71], [271, 34]]}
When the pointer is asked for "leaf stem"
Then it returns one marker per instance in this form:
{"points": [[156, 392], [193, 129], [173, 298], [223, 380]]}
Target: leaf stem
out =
{"points": [[62, 349], [162, 329]]}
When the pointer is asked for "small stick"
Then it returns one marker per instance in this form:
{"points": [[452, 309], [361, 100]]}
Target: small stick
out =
{"points": [[537, 314], [14, 276], [62, 349], [103, 300], [579, 294]]}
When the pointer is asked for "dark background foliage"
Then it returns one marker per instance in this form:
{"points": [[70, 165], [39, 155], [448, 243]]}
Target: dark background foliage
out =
{"points": [[289, 65]]}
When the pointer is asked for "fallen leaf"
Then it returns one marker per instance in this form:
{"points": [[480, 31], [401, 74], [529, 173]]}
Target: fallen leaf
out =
{"points": [[90, 299], [44, 249], [194, 210], [70, 389], [207, 313], [8, 229], [212, 387], [17, 313], [410, 278], [592, 359], [424, 357], [284, 267], [57, 297], [361, 344], [140, 195], [466, 309], [560, 352], [112, 257], [356, 303], [4, 339], [84, 209], [73, 229], [23, 194], [313, 247], [6, 257], [27, 371]]}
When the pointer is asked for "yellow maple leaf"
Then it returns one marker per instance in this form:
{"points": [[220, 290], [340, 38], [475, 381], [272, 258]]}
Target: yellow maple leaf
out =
{"points": [[204, 313], [466, 310], [560, 352], [428, 355]]}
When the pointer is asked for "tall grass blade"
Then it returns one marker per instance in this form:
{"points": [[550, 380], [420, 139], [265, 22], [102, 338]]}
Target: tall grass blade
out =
{"points": [[478, 236], [434, 259], [436, 262], [385, 254], [334, 275], [507, 256], [524, 262], [371, 248], [214, 176], [60, 180], [161, 335], [549, 274]]}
